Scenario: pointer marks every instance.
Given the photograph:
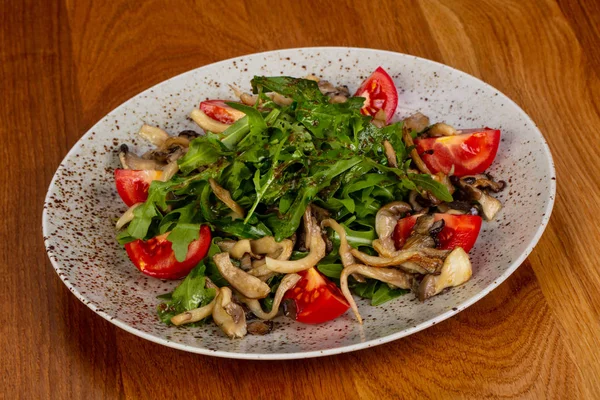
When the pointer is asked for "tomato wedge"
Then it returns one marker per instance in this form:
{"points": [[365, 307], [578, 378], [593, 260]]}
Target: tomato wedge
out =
{"points": [[471, 152], [156, 258], [219, 111], [132, 185], [317, 299], [459, 231], [380, 93]]}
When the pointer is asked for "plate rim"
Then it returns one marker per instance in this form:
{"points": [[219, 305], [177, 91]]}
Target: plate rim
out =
{"points": [[314, 353]]}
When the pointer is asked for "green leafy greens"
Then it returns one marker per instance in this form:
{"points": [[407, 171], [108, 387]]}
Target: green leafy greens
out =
{"points": [[275, 162]]}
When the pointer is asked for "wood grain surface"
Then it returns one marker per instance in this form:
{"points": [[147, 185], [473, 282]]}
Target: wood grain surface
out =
{"points": [[64, 64]]}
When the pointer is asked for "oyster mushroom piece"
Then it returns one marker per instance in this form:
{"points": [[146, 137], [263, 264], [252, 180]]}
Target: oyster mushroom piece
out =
{"points": [[127, 216], [154, 135], [391, 276], [385, 222], [441, 129], [132, 161], [490, 206], [315, 244], [229, 316], [420, 261], [224, 195], [390, 154], [248, 285], [455, 271], [344, 250], [414, 154], [269, 246], [288, 282], [195, 315], [207, 123], [416, 122]]}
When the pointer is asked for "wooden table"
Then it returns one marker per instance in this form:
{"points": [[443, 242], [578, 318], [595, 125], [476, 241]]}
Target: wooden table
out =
{"points": [[65, 64]]}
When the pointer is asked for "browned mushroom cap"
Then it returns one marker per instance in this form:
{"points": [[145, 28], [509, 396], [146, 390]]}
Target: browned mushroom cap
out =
{"points": [[455, 271], [422, 260], [248, 285], [484, 181], [229, 316], [416, 122], [288, 282], [408, 141], [207, 123], [392, 276], [224, 195], [196, 314], [385, 222], [316, 246]]}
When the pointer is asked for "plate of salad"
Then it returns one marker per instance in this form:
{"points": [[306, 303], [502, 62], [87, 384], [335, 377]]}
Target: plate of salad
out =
{"points": [[298, 203]]}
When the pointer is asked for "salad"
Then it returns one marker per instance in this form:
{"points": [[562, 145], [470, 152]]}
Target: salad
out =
{"points": [[298, 196]]}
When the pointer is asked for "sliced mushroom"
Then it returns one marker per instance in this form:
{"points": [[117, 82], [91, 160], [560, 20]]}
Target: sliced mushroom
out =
{"points": [[127, 216], [154, 135], [390, 154], [416, 122], [246, 262], [248, 285], [385, 222], [226, 245], [425, 260], [288, 282], [441, 129], [195, 315], [132, 161], [269, 246], [455, 271], [420, 237], [224, 195], [228, 315], [344, 250], [484, 181], [169, 171], [316, 252], [490, 206], [392, 276], [207, 123], [260, 327], [240, 248], [408, 141]]}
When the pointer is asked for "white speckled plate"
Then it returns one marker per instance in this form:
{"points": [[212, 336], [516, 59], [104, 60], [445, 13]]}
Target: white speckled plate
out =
{"points": [[82, 202]]}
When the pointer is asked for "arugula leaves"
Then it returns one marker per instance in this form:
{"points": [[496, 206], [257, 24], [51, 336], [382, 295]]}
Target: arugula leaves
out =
{"points": [[191, 293]]}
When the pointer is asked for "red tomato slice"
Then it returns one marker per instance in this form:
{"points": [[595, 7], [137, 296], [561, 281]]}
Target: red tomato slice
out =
{"points": [[380, 93], [156, 258], [471, 152], [133, 185], [219, 111], [317, 298], [459, 231]]}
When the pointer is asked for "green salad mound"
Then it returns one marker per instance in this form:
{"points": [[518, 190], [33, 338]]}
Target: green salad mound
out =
{"points": [[275, 162]]}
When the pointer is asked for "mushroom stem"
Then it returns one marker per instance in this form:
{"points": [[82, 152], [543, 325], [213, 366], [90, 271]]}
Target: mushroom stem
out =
{"points": [[408, 141], [427, 260], [224, 195], [390, 153], [195, 315], [228, 315], [127, 216], [207, 123], [288, 282], [385, 223], [250, 286]]}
